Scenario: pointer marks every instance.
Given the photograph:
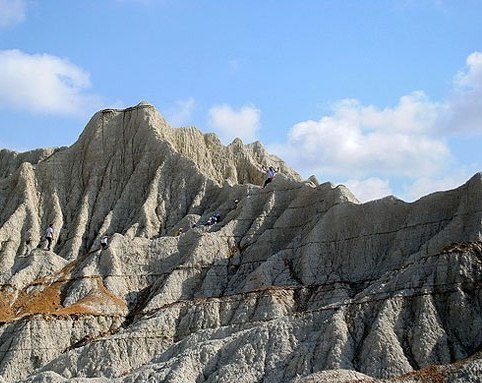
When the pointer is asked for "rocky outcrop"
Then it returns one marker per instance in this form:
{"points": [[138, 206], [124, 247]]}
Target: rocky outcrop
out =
{"points": [[298, 282], [10, 161]]}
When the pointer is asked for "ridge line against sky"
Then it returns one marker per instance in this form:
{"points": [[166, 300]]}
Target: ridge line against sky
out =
{"points": [[383, 96]]}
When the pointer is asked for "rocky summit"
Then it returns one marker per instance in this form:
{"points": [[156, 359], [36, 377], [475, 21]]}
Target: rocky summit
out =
{"points": [[208, 277]]}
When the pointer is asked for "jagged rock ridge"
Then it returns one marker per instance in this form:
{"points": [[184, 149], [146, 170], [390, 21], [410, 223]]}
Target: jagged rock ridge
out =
{"points": [[298, 282]]}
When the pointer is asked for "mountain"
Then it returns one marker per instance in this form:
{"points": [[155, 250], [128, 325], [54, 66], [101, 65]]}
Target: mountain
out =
{"points": [[297, 282]]}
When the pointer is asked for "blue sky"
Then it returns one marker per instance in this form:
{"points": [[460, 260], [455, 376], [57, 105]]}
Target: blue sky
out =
{"points": [[384, 96]]}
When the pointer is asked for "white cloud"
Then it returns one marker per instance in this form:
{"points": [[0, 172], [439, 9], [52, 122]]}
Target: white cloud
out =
{"points": [[404, 147], [463, 110], [427, 185], [180, 114], [229, 123], [369, 189], [359, 141], [44, 83], [471, 77], [12, 12]]}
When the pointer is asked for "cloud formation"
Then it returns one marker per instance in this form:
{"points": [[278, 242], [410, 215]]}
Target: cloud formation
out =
{"points": [[358, 141], [370, 188], [43, 83], [12, 12], [180, 114], [229, 123], [426, 185], [410, 140], [463, 110]]}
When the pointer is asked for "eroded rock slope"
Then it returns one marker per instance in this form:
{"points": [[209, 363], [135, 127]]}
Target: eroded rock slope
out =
{"points": [[298, 282]]}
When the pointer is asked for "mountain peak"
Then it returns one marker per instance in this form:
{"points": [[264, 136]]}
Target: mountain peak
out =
{"points": [[199, 275], [144, 125]]}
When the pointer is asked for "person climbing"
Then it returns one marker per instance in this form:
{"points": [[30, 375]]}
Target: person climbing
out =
{"points": [[179, 232], [270, 174], [28, 246], [213, 219], [49, 235], [104, 241]]}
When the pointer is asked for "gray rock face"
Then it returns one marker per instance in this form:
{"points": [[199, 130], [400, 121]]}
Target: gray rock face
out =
{"points": [[298, 282]]}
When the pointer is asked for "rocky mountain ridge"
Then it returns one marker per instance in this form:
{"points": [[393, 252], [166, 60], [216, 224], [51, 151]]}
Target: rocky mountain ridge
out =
{"points": [[299, 282]]}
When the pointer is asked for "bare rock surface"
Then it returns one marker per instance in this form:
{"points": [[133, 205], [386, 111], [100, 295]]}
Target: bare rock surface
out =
{"points": [[297, 282]]}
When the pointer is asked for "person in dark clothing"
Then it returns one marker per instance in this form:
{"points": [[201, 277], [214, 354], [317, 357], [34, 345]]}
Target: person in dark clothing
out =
{"points": [[28, 246]]}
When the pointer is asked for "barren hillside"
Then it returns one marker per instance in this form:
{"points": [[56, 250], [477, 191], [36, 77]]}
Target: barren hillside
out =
{"points": [[297, 282]]}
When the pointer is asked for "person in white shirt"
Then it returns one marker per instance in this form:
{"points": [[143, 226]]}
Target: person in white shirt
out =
{"points": [[104, 241], [49, 235], [270, 173]]}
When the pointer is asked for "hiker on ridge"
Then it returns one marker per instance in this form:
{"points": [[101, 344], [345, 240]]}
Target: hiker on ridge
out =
{"points": [[213, 219], [49, 235], [270, 173], [28, 247], [104, 241]]}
